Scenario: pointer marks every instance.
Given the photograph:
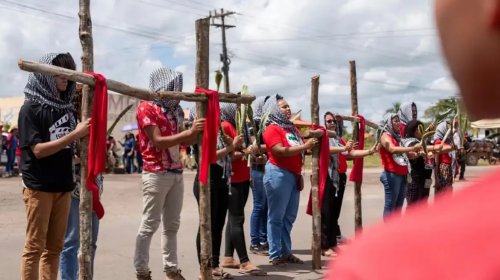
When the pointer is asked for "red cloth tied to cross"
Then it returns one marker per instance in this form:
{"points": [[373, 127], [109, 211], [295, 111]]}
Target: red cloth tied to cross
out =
{"points": [[324, 163], [212, 122], [357, 169], [96, 162]]}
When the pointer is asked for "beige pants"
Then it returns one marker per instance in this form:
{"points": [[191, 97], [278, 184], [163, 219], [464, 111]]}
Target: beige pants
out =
{"points": [[162, 195], [47, 217]]}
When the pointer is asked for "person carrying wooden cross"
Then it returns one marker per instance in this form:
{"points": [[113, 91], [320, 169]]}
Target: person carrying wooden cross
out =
{"points": [[160, 134], [47, 134], [457, 236]]}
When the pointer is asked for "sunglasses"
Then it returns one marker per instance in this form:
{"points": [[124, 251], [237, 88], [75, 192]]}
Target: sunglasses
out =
{"points": [[330, 121]]}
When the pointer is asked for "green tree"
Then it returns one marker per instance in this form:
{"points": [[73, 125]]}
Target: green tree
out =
{"points": [[442, 106], [394, 109]]}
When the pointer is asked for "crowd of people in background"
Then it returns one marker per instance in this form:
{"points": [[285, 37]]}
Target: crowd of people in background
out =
{"points": [[49, 131], [274, 169]]}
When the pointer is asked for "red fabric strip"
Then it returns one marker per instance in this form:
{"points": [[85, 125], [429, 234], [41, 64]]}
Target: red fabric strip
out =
{"points": [[357, 169], [324, 163], [212, 122], [97, 140]]}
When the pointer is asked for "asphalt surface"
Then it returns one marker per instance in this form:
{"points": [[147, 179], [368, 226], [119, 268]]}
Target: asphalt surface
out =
{"points": [[123, 204]]}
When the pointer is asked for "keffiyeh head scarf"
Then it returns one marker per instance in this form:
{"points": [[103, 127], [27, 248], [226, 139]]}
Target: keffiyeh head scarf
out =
{"points": [[228, 113], [405, 112], [387, 127], [41, 88], [258, 107], [441, 130], [276, 117], [164, 79]]}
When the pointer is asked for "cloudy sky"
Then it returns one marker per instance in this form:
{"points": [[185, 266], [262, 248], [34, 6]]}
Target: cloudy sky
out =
{"points": [[276, 47]]}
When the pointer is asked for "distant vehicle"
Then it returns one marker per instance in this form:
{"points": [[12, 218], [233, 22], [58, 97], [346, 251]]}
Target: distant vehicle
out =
{"points": [[487, 149]]}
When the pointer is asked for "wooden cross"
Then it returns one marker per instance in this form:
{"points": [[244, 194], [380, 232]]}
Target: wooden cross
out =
{"points": [[202, 80], [316, 211]]}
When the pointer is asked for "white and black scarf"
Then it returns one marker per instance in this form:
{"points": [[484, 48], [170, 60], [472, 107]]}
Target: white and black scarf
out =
{"points": [[276, 117], [164, 79]]}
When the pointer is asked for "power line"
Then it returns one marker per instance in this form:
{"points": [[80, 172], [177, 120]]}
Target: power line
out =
{"points": [[130, 30]]}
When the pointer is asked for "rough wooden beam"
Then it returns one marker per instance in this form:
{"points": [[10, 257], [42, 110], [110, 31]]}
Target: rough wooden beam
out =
{"points": [[358, 215], [85, 253], [125, 89], [202, 27], [316, 211], [312, 134]]}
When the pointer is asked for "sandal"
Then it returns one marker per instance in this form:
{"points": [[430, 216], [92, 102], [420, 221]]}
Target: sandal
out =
{"points": [[329, 253], [293, 259], [229, 262], [255, 271], [278, 262], [218, 273]]}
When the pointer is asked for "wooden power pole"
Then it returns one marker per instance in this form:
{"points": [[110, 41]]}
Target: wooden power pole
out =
{"points": [[223, 57], [358, 216]]}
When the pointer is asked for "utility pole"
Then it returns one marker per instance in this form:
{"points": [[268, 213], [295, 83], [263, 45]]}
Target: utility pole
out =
{"points": [[223, 57]]}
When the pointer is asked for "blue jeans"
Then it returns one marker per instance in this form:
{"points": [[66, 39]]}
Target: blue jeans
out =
{"points": [[395, 189], [11, 159], [283, 205], [69, 254], [258, 220]]}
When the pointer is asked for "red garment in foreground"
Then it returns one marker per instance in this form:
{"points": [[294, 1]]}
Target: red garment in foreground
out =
{"points": [[212, 122], [97, 140], [455, 238], [324, 163], [357, 168]]}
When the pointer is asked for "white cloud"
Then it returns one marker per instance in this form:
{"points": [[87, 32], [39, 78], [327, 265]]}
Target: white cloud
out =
{"points": [[277, 46]]}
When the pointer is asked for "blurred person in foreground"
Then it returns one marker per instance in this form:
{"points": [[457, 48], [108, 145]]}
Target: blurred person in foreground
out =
{"points": [[456, 237]]}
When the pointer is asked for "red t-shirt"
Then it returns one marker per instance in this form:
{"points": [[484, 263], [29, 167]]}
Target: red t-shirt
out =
{"points": [[149, 114], [444, 158], [241, 171], [277, 135], [393, 162], [455, 238], [342, 159]]}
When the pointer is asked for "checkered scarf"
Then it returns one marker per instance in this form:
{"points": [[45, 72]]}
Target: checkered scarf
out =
{"points": [[276, 117], [387, 127], [405, 112], [441, 130], [164, 79], [228, 112], [258, 106], [41, 89]]}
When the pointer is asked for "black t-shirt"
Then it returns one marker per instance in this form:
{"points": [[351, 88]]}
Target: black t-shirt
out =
{"points": [[40, 124], [418, 171]]}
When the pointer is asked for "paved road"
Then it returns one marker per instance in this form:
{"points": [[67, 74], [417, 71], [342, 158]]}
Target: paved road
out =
{"points": [[122, 200]]}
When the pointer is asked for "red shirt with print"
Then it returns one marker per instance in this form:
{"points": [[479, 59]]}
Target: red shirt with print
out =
{"points": [[277, 135], [389, 160], [150, 114], [241, 171], [342, 159], [443, 158]]}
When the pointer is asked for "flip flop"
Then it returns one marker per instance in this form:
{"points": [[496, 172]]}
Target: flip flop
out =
{"points": [[221, 274], [253, 272]]}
